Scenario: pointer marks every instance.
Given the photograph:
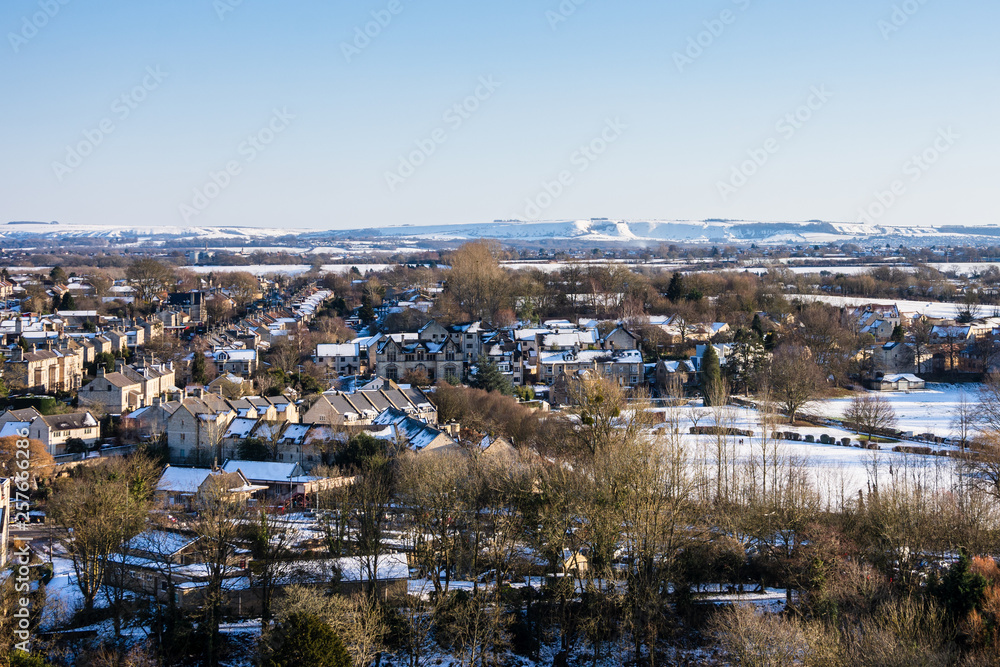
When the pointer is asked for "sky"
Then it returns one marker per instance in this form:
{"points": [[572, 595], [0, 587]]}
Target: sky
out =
{"points": [[335, 115]]}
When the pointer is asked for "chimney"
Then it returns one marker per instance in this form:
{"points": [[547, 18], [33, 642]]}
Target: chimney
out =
{"points": [[17, 354], [100, 370], [119, 365]]}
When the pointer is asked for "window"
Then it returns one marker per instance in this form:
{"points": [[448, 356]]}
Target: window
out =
{"points": [[390, 355], [391, 373], [409, 357], [449, 356]]}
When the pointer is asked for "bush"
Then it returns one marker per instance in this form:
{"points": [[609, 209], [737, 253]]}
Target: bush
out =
{"points": [[303, 640]]}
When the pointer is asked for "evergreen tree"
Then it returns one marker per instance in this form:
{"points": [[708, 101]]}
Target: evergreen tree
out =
{"points": [[67, 303], [57, 274], [675, 290], [711, 373], [304, 640], [198, 368], [746, 361], [489, 378], [960, 591], [757, 326], [366, 313]]}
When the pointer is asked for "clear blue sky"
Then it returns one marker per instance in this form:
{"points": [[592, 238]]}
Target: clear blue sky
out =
{"points": [[560, 82]]}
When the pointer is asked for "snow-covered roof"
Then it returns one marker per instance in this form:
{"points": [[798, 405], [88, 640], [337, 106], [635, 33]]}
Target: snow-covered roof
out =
{"points": [[340, 350], [240, 428], [182, 480], [269, 471]]}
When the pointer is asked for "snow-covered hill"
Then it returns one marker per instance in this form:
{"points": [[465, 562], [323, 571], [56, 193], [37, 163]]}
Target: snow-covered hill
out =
{"points": [[597, 230]]}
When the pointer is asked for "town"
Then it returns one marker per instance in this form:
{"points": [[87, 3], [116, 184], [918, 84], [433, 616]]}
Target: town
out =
{"points": [[470, 455]]}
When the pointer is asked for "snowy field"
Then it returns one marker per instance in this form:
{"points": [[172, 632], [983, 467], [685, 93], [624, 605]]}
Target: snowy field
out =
{"points": [[928, 411], [837, 472], [930, 308], [290, 269]]}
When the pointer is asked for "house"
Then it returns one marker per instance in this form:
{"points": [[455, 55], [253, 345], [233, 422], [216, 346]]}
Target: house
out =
{"points": [[621, 339], [668, 374], [340, 359], [414, 434], [238, 362], [189, 303], [282, 479], [150, 422], [129, 387], [362, 406], [187, 486], [195, 429], [436, 360], [111, 393], [898, 357], [624, 367], [54, 431], [44, 371], [497, 448], [897, 382]]}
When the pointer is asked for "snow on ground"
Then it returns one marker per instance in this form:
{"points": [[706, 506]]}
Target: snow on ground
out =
{"points": [[290, 269], [930, 308], [837, 472], [928, 411]]}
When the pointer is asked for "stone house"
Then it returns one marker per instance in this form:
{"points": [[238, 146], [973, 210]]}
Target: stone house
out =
{"points": [[44, 371], [54, 431], [196, 428], [338, 360]]}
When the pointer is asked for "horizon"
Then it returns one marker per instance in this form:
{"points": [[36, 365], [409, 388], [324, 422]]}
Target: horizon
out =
{"points": [[228, 114]]}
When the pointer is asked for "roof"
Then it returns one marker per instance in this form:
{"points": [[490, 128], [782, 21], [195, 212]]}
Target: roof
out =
{"points": [[268, 471], [13, 428], [119, 380], [896, 377], [593, 357], [417, 434], [182, 480], [339, 350], [161, 542], [71, 421], [240, 428]]}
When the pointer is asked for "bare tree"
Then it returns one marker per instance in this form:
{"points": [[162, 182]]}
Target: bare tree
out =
{"points": [[477, 282], [103, 507], [795, 379], [149, 277], [218, 529], [870, 413], [963, 418]]}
